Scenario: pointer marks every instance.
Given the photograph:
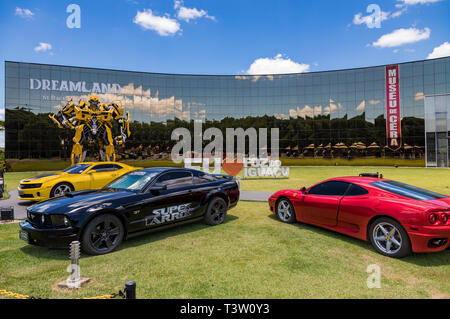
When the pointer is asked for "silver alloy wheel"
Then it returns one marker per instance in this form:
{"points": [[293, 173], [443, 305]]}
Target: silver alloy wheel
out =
{"points": [[62, 189], [284, 210], [387, 238]]}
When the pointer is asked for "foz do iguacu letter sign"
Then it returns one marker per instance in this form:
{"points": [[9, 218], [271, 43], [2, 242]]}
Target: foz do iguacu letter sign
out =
{"points": [[252, 166], [264, 167]]}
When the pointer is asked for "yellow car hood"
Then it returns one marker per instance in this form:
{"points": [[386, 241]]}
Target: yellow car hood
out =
{"points": [[43, 178]]}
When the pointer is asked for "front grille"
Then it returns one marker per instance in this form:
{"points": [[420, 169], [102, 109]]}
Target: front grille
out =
{"points": [[28, 186], [26, 196]]}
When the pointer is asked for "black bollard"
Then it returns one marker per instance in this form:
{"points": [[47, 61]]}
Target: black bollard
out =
{"points": [[130, 290]]}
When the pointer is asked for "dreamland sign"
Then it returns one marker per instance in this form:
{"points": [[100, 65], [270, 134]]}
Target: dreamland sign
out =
{"points": [[71, 86]]}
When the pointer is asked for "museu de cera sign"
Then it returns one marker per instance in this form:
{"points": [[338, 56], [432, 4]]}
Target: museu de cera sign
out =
{"points": [[74, 86], [393, 117]]}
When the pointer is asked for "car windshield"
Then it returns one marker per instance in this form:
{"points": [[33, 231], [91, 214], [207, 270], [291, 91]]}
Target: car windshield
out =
{"points": [[76, 169], [133, 181], [407, 190]]}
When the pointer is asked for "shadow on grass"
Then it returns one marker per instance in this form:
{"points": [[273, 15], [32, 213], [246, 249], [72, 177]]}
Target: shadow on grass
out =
{"points": [[170, 232], [46, 253], [146, 238], [419, 259]]}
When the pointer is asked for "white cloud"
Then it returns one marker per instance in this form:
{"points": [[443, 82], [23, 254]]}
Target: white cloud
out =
{"points": [[187, 14], [402, 8], [398, 13], [43, 46], [164, 26], [414, 2], [369, 20], [332, 108], [276, 65], [361, 106], [419, 96], [24, 13], [402, 36], [440, 51]]}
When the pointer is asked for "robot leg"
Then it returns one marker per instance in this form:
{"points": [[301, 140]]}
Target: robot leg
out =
{"points": [[109, 146], [77, 150]]}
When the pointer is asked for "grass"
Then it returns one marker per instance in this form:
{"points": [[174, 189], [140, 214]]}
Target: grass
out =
{"points": [[27, 165], [58, 164], [435, 179], [252, 255], [353, 162]]}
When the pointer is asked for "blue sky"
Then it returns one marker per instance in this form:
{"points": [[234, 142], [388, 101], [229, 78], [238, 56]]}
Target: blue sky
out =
{"points": [[226, 37], [223, 37]]}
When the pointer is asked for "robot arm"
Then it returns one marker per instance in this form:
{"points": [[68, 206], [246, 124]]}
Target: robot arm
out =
{"points": [[124, 122], [125, 127], [64, 117]]}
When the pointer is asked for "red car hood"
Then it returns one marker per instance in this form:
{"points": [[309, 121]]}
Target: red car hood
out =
{"points": [[445, 202]]}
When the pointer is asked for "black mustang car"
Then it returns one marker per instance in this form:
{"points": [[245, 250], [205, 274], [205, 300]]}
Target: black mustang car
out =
{"points": [[135, 203]]}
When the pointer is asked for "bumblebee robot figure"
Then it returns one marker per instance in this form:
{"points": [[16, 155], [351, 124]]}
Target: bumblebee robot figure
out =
{"points": [[92, 121]]}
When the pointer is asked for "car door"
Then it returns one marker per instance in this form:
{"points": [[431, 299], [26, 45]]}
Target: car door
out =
{"points": [[321, 203], [176, 203], [102, 174], [203, 185], [78, 176], [355, 208]]}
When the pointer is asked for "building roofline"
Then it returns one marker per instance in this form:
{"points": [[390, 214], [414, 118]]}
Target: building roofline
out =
{"points": [[224, 75]]}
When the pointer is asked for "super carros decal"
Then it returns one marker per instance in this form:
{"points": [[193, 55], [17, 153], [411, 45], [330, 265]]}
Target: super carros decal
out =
{"points": [[393, 120], [168, 214]]}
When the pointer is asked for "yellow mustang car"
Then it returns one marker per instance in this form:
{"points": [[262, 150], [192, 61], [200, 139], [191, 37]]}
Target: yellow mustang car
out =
{"points": [[87, 175]]}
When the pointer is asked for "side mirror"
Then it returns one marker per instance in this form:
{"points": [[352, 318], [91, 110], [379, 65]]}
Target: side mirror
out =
{"points": [[303, 190], [158, 187]]}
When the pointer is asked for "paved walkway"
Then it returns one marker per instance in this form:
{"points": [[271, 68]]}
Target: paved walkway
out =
{"points": [[254, 196], [20, 206]]}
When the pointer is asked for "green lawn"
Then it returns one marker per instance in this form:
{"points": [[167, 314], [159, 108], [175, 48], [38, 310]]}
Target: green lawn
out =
{"points": [[435, 179], [252, 255], [15, 165]]}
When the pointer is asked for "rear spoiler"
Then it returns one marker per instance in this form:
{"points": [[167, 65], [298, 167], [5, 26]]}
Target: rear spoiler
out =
{"points": [[376, 175]]}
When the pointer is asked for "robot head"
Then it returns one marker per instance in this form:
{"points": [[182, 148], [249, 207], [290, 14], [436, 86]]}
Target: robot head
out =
{"points": [[94, 102]]}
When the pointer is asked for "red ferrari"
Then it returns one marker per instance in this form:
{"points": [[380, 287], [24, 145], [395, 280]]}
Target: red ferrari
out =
{"points": [[395, 217]]}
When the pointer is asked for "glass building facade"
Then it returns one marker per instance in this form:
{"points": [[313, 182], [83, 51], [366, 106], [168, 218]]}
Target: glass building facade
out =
{"points": [[341, 111]]}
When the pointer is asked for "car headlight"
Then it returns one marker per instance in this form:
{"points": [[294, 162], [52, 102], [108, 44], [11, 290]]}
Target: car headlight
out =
{"points": [[59, 220]]}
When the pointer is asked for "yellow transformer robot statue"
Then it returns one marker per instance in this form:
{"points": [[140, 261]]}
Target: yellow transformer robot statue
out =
{"points": [[92, 121]]}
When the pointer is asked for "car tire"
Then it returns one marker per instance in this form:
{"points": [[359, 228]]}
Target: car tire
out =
{"points": [[285, 211], [216, 211], [102, 235], [61, 189], [389, 238]]}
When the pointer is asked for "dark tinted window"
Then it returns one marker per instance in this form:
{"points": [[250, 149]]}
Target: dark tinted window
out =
{"points": [[176, 179], [134, 181], [407, 190], [201, 178], [105, 167], [332, 188], [356, 190], [76, 169]]}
